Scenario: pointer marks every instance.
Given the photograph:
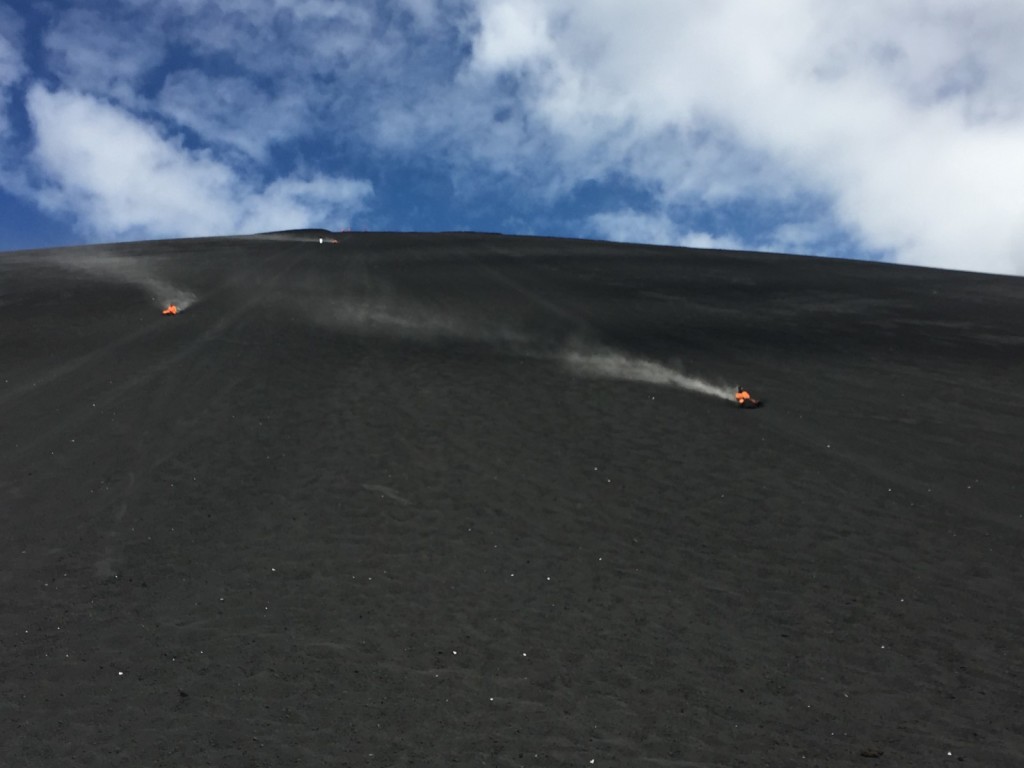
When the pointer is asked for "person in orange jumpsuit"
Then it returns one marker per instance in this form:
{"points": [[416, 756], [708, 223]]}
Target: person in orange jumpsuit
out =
{"points": [[744, 400]]}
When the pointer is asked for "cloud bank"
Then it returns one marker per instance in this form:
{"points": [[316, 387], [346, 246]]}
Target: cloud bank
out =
{"points": [[862, 130], [121, 177], [908, 123]]}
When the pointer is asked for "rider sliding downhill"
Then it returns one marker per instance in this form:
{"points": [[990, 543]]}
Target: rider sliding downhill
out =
{"points": [[744, 400]]}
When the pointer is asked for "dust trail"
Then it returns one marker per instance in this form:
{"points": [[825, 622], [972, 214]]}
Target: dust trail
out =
{"points": [[403, 319], [131, 271], [607, 364], [376, 312], [382, 317]]}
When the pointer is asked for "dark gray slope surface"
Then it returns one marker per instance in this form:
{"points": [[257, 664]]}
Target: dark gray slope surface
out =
{"points": [[353, 506]]}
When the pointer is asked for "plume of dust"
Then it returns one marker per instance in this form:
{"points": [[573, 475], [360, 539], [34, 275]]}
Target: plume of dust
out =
{"points": [[405, 319], [388, 317], [130, 271], [606, 364]]}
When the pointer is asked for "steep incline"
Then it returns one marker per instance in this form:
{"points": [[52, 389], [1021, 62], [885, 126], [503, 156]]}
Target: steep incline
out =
{"points": [[427, 499]]}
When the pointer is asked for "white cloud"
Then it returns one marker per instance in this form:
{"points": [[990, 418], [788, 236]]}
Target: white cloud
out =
{"points": [[512, 34], [908, 120], [260, 73], [426, 13], [12, 66], [693, 239], [630, 226], [105, 54], [121, 178], [233, 111], [291, 202], [276, 37]]}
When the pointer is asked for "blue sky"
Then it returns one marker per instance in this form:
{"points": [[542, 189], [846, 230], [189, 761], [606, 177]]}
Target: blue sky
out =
{"points": [[871, 130]]}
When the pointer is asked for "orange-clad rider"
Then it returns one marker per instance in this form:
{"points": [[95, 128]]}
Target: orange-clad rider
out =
{"points": [[744, 400]]}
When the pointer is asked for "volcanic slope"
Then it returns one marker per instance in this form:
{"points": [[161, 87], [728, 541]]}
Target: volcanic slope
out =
{"points": [[435, 499]]}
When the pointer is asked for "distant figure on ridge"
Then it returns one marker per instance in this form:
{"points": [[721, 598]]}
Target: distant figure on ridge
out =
{"points": [[744, 400]]}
